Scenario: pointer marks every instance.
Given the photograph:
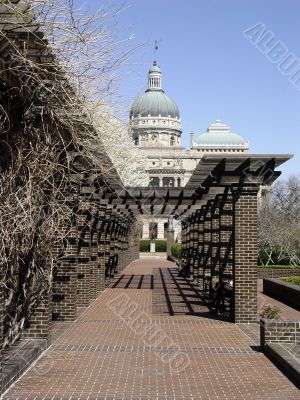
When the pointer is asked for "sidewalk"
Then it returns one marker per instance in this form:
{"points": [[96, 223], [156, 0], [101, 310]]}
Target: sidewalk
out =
{"points": [[149, 337]]}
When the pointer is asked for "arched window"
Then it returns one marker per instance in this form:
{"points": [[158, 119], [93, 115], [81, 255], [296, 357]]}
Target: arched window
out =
{"points": [[172, 140]]}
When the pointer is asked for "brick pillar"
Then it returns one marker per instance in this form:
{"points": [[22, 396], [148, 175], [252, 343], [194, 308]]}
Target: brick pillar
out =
{"points": [[83, 266], [226, 236], [101, 233], [107, 254], [64, 290], [191, 244], [207, 247], [215, 238], [122, 244], [94, 252], [38, 325], [183, 243], [245, 254], [188, 244], [200, 263]]}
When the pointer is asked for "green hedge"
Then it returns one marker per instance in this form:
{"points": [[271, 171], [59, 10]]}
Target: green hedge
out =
{"points": [[144, 246], [176, 250], [292, 279], [160, 246]]}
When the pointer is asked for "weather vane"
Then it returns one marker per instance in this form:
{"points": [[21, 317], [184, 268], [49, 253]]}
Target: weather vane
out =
{"points": [[156, 43]]}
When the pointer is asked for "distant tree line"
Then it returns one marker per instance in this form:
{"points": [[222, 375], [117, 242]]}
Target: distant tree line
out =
{"points": [[279, 223]]}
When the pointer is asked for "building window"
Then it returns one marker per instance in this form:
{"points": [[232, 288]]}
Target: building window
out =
{"points": [[153, 230], [154, 181], [172, 141], [168, 182], [166, 226]]}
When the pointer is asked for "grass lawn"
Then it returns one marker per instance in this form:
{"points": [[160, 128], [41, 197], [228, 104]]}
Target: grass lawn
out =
{"points": [[292, 279]]}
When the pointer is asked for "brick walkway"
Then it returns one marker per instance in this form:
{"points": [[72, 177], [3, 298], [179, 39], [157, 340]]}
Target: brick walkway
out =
{"points": [[149, 337]]}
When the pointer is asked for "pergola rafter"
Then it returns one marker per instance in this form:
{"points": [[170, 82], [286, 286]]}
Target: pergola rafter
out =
{"points": [[210, 178]]}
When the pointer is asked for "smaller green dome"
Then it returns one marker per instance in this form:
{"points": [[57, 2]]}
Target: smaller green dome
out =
{"points": [[219, 134]]}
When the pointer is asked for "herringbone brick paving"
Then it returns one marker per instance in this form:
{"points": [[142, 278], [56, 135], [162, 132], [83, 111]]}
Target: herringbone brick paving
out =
{"points": [[127, 344]]}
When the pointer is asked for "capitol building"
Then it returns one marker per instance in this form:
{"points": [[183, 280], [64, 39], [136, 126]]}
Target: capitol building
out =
{"points": [[155, 126]]}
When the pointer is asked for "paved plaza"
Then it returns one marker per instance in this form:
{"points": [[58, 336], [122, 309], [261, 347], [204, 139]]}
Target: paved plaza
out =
{"points": [[149, 337]]}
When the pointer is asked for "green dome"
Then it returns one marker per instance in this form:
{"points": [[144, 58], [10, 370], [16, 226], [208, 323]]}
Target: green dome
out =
{"points": [[220, 138], [219, 134], [154, 103]]}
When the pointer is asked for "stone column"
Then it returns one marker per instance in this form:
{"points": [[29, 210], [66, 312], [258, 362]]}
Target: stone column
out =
{"points": [[145, 231], [245, 254], [170, 241], [160, 230]]}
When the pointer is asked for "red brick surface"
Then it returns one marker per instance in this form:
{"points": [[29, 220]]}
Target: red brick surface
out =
{"points": [[108, 353]]}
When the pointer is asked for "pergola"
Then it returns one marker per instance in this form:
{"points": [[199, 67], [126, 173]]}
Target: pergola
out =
{"points": [[218, 212]]}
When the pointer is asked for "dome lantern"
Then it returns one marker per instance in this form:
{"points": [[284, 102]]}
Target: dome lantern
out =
{"points": [[154, 77]]}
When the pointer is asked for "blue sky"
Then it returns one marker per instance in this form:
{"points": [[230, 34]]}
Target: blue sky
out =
{"points": [[213, 71]]}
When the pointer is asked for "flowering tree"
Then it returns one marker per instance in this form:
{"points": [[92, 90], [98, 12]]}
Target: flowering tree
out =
{"points": [[129, 161]]}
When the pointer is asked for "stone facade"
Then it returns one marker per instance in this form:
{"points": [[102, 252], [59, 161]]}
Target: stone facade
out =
{"points": [[155, 126]]}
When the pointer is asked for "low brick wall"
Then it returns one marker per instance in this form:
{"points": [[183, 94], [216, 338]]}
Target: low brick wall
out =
{"points": [[283, 291], [276, 272], [279, 331]]}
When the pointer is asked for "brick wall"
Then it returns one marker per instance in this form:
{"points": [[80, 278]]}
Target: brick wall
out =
{"points": [[279, 331], [276, 272]]}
